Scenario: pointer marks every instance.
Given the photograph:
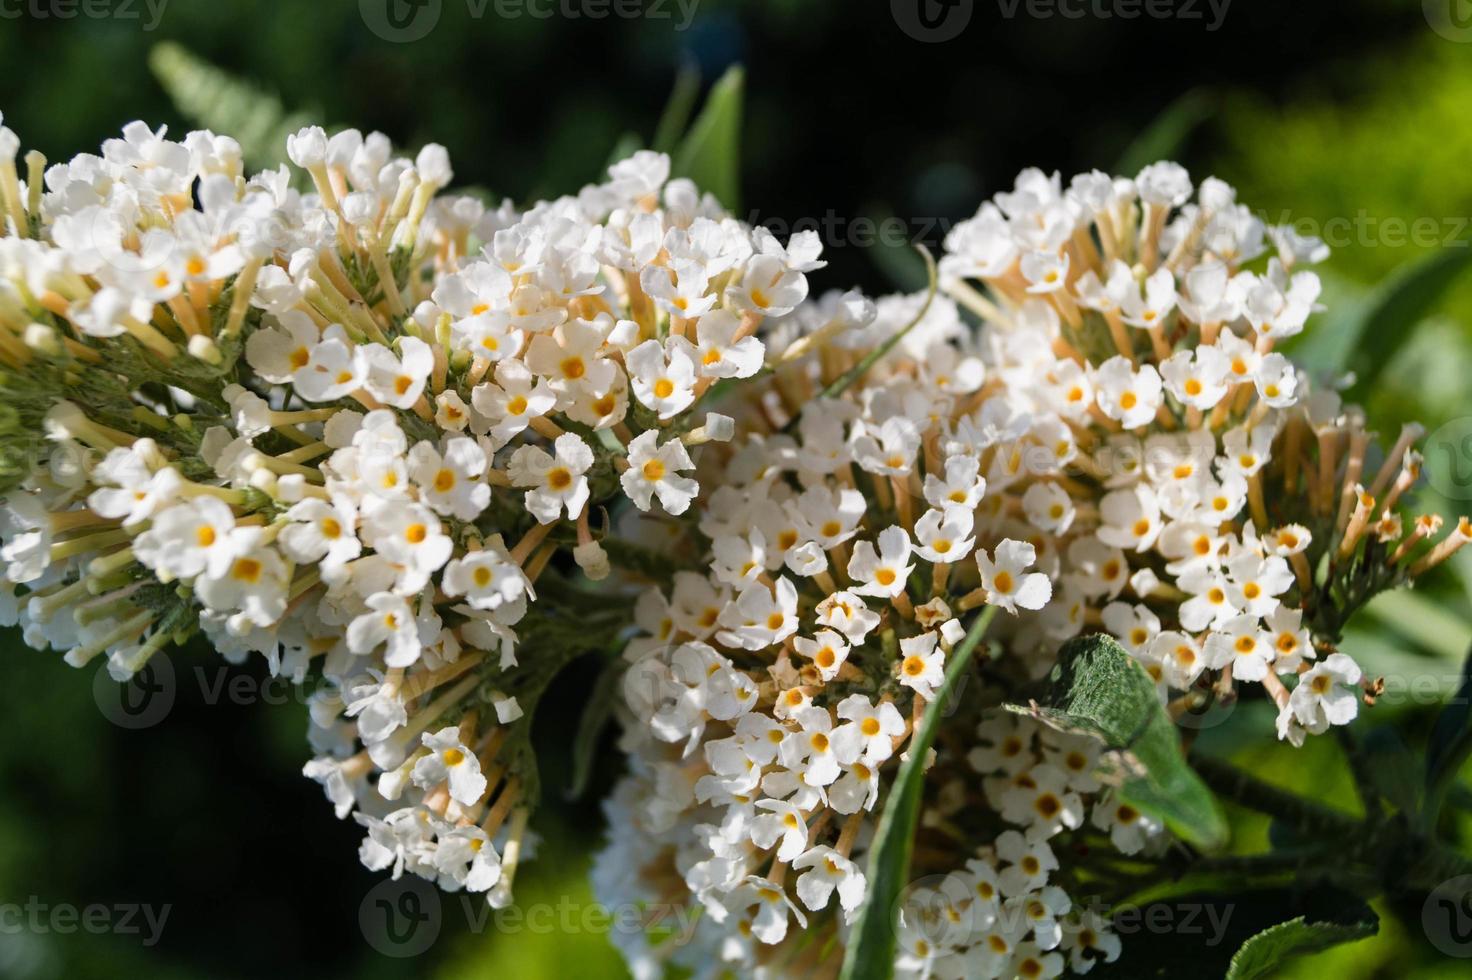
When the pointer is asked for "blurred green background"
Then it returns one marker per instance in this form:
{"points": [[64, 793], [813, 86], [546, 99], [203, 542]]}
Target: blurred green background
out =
{"points": [[1351, 119]]}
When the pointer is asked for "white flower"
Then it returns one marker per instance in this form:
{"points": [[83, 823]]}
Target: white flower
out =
{"points": [[922, 668], [653, 471], [885, 572], [1325, 694], [1257, 582], [397, 381], [1049, 507], [449, 760], [321, 531], [1129, 830], [1290, 640], [1240, 642], [487, 578], [870, 729], [1045, 272], [467, 857], [409, 536], [192, 538], [962, 486], [513, 401], [558, 482], [1196, 378], [769, 287], [773, 907], [829, 871], [846, 613], [1045, 806], [1005, 580], [278, 353], [782, 823], [389, 622], [451, 483], [828, 517], [716, 352], [759, 618], [254, 584], [827, 650], [1128, 396], [810, 752], [681, 291], [332, 369], [944, 536], [1130, 518], [1151, 309], [663, 381], [1030, 860], [1179, 657]]}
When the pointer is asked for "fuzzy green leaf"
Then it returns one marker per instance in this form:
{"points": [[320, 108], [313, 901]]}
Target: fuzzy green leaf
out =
{"points": [[1265, 953], [1215, 934], [1098, 688], [871, 946]]}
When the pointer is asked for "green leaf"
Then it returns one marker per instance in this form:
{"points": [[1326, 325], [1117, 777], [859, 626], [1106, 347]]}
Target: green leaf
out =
{"points": [[217, 100], [1426, 622], [1167, 134], [1098, 688], [1213, 934], [1264, 954], [1392, 767], [900, 263], [1385, 321], [676, 116], [1449, 745], [710, 153], [871, 945]]}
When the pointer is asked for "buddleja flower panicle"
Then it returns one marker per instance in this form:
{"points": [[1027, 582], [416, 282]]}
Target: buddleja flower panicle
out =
{"points": [[424, 454]]}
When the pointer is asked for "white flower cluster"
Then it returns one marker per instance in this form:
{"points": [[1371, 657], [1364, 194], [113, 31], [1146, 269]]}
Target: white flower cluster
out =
{"points": [[1101, 455], [390, 438], [306, 422]]}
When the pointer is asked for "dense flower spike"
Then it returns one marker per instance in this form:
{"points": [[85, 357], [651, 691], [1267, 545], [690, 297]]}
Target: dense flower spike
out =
{"points": [[1117, 448], [386, 436]]}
